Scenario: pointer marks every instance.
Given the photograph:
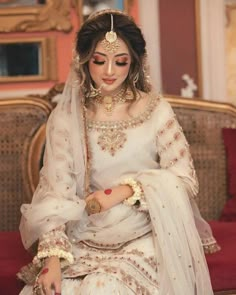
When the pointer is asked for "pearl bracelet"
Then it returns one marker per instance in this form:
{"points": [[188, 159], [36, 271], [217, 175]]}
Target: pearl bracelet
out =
{"points": [[67, 258], [137, 189]]}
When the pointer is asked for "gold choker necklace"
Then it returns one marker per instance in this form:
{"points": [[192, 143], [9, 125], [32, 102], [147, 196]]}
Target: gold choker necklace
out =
{"points": [[109, 102]]}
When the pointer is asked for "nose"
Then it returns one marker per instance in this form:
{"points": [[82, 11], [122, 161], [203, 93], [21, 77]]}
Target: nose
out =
{"points": [[110, 68]]}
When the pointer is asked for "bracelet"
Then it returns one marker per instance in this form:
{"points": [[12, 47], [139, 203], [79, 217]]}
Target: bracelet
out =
{"points": [[137, 189], [61, 254]]}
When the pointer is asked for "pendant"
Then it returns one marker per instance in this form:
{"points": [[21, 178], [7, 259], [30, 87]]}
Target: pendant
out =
{"points": [[108, 104]]}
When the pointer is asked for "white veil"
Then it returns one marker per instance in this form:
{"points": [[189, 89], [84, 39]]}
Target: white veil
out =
{"points": [[59, 196]]}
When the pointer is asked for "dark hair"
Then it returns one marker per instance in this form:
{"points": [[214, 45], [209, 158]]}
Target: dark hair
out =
{"points": [[94, 30]]}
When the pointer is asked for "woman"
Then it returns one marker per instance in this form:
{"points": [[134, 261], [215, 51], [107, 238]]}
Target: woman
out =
{"points": [[114, 211]]}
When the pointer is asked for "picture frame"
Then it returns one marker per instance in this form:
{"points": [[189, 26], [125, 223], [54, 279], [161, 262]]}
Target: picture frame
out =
{"points": [[53, 15], [28, 59]]}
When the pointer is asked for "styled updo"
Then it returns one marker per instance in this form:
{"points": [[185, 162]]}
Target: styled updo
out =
{"points": [[94, 29]]}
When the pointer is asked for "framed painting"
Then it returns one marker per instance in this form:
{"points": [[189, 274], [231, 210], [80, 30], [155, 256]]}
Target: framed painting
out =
{"points": [[27, 59]]}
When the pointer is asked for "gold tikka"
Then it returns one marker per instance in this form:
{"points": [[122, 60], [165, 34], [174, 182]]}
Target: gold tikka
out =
{"points": [[111, 43]]}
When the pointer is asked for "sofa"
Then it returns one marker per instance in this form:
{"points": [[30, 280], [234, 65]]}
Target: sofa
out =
{"points": [[22, 141]]}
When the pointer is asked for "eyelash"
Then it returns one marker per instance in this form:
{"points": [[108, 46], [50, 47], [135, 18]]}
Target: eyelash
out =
{"points": [[120, 64]]}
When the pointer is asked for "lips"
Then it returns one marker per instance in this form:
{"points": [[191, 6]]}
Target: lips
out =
{"points": [[109, 81]]}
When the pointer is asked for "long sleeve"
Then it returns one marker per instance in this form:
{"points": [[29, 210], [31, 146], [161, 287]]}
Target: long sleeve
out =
{"points": [[56, 200], [174, 153]]}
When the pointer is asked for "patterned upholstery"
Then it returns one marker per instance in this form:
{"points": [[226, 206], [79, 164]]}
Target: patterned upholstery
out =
{"points": [[202, 122], [20, 122]]}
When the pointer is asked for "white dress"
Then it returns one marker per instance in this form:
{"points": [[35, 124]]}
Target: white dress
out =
{"points": [[123, 250]]}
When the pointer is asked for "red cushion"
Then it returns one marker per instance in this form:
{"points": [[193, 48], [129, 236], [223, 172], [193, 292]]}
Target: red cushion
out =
{"points": [[12, 257], [229, 210], [222, 264]]}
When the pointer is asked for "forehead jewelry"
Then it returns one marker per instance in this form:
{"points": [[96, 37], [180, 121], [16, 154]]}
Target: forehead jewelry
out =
{"points": [[110, 43]]}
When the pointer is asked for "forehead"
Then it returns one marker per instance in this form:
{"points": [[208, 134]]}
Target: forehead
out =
{"points": [[123, 48]]}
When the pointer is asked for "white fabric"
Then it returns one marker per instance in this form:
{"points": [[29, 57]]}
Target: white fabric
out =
{"points": [[168, 185], [94, 284]]}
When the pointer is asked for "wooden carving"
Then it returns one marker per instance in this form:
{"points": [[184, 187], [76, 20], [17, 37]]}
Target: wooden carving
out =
{"points": [[54, 15]]}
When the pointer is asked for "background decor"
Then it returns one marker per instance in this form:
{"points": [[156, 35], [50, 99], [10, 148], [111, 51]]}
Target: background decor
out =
{"points": [[27, 59], [42, 15]]}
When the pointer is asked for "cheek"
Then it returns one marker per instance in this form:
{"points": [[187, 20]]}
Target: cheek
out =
{"points": [[124, 71], [93, 69]]}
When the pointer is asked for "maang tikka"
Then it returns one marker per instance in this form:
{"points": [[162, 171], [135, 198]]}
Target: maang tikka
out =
{"points": [[110, 42]]}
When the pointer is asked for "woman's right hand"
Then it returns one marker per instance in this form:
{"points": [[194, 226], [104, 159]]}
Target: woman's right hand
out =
{"points": [[50, 277]]}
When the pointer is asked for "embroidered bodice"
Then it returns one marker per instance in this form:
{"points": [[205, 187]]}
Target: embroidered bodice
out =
{"points": [[124, 148]]}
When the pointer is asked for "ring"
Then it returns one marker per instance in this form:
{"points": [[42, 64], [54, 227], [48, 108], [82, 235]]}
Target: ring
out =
{"points": [[93, 206]]}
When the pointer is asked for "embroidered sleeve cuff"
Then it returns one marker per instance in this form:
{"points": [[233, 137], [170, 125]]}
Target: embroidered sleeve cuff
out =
{"points": [[55, 243]]}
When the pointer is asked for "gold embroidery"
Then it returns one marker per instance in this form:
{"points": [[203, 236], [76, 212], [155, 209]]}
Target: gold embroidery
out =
{"points": [[112, 138]]}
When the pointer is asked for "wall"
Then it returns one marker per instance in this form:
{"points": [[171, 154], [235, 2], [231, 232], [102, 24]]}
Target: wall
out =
{"points": [[178, 41]]}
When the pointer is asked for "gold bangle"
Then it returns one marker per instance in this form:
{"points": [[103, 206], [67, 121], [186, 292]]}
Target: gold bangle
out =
{"points": [[93, 206]]}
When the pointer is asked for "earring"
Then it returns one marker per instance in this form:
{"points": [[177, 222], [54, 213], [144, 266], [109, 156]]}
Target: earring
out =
{"points": [[93, 91]]}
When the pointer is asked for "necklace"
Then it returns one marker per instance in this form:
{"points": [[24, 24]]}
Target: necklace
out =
{"points": [[109, 102]]}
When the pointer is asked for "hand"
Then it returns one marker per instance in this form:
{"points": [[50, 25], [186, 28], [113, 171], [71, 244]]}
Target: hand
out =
{"points": [[115, 196], [50, 276]]}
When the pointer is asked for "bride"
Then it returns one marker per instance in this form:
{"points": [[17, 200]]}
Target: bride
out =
{"points": [[114, 211]]}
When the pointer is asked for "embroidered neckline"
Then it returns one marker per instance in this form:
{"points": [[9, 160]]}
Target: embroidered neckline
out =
{"points": [[111, 136], [125, 124]]}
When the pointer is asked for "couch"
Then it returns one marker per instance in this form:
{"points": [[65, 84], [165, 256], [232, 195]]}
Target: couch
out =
{"points": [[22, 138]]}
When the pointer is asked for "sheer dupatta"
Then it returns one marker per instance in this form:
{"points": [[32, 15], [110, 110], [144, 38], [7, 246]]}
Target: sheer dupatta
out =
{"points": [[61, 189]]}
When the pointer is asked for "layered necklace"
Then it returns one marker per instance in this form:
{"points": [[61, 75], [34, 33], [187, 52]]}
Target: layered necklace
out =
{"points": [[109, 102]]}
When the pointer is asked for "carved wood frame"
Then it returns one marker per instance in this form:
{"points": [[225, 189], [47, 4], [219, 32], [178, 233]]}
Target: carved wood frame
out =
{"points": [[54, 15], [48, 63], [79, 3]]}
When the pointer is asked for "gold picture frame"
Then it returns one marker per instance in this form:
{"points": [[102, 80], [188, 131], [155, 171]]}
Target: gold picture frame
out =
{"points": [[127, 4], [53, 15], [47, 64]]}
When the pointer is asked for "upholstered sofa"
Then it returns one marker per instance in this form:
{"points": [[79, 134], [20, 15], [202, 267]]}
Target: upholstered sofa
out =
{"points": [[22, 139]]}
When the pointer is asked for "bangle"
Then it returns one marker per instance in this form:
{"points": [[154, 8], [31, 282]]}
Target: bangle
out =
{"points": [[61, 254], [137, 189]]}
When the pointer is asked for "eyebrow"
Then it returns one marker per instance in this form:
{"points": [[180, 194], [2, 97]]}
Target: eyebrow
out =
{"points": [[117, 55]]}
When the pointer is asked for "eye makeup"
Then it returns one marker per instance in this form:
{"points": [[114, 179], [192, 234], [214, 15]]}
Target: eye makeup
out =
{"points": [[98, 60], [122, 61]]}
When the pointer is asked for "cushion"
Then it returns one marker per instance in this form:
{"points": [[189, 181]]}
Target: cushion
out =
{"points": [[12, 257], [229, 137], [222, 264]]}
